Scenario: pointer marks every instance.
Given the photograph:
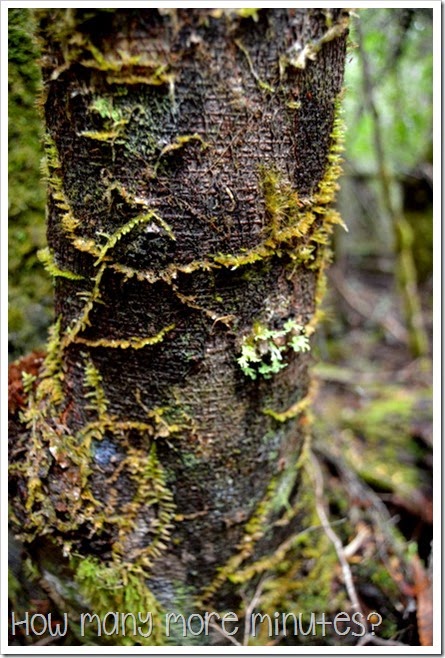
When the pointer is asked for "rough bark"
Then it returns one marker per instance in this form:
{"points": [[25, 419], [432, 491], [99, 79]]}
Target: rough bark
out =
{"points": [[191, 160]]}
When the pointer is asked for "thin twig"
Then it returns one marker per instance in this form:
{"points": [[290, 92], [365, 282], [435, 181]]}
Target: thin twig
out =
{"points": [[224, 634], [356, 543], [247, 618], [357, 488], [342, 556], [250, 608], [347, 575]]}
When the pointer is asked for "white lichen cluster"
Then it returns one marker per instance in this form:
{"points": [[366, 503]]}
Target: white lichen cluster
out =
{"points": [[263, 352]]}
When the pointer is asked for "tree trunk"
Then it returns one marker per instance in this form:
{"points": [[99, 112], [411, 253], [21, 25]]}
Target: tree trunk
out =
{"points": [[191, 160]]}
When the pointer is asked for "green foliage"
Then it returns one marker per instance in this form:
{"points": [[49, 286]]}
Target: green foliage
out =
{"points": [[46, 257], [28, 380], [283, 207], [248, 13], [104, 107], [119, 588], [93, 381], [144, 218], [30, 290], [14, 589], [402, 66], [262, 353]]}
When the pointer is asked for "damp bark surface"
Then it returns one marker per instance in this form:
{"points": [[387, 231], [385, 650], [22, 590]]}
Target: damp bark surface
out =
{"points": [[191, 163]]}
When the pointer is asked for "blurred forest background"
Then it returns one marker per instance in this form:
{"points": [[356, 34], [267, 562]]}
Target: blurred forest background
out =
{"points": [[373, 410]]}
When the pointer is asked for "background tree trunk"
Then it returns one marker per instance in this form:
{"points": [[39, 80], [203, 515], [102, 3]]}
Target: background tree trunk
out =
{"points": [[191, 159]]}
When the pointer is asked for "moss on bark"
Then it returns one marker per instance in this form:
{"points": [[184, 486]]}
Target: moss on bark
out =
{"points": [[190, 183]]}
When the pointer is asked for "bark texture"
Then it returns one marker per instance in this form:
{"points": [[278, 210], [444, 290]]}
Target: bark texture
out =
{"points": [[191, 163]]}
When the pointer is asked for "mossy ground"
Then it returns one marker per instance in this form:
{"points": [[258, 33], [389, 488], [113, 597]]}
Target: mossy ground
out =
{"points": [[373, 433]]}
